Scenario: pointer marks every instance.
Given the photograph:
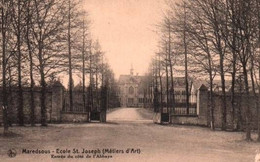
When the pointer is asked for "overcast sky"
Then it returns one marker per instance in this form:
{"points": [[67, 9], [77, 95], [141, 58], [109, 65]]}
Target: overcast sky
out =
{"points": [[125, 29]]}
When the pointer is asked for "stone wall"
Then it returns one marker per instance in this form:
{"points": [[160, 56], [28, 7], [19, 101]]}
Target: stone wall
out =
{"points": [[13, 105], [54, 104], [187, 120], [74, 117], [240, 110], [57, 103], [203, 112]]}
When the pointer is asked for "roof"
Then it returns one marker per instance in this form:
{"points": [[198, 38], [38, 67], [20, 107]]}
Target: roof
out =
{"points": [[203, 88], [179, 82], [130, 78]]}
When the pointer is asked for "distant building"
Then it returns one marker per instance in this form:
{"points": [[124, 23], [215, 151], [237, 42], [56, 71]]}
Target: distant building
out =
{"points": [[133, 91], [130, 92]]}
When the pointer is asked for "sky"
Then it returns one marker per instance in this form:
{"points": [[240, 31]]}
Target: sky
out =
{"points": [[126, 31]]}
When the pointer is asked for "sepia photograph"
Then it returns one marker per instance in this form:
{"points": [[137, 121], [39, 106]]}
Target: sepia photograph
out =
{"points": [[130, 80]]}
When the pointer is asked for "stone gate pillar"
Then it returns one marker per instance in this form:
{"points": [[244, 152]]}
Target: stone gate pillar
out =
{"points": [[104, 101], [57, 102], [202, 105], [156, 100], [1, 115]]}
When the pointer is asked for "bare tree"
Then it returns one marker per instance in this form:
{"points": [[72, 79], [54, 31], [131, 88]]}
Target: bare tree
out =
{"points": [[70, 57], [83, 62], [179, 27], [49, 19], [201, 43], [168, 33], [28, 36], [230, 35], [245, 29], [17, 23], [5, 25], [258, 62]]}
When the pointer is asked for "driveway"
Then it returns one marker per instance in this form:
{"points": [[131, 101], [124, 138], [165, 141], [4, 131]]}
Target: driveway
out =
{"points": [[129, 135]]}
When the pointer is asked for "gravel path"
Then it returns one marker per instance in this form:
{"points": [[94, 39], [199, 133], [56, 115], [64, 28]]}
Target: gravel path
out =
{"points": [[127, 115], [129, 129]]}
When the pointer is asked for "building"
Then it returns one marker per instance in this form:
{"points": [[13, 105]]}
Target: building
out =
{"points": [[136, 91], [130, 91]]}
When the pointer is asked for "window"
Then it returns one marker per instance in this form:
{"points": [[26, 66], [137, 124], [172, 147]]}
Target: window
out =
{"points": [[177, 93], [130, 100], [131, 90]]}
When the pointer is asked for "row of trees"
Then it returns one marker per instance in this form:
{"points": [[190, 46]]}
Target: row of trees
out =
{"points": [[213, 39], [39, 41], [92, 66]]}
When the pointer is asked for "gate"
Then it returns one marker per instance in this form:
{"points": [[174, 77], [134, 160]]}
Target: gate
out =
{"points": [[164, 112], [98, 111], [91, 103]]}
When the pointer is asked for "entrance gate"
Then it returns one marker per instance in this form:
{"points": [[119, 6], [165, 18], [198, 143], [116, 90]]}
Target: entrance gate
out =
{"points": [[85, 109], [164, 111], [99, 113]]}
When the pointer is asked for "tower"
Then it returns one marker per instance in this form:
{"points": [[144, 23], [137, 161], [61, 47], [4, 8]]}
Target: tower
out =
{"points": [[131, 70]]}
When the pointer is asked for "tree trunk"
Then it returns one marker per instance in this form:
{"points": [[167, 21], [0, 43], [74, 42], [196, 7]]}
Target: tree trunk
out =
{"points": [[223, 87], [96, 87], [248, 112], [258, 119], [253, 87], [239, 114], [70, 64], [5, 104], [234, 62], [43, 88], [172, 97], [167, 86], [186, 62], [257, 110], [212, 107], [10, 96], [233, 94], [161, 86], [32, 103], [83, 69], [19, 62], [90, 80], [211, 102]]}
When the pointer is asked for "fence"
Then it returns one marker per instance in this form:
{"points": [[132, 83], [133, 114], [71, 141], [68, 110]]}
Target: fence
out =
{"points": [[180, 108], [77, 113], [78, 102], [197, 114]]}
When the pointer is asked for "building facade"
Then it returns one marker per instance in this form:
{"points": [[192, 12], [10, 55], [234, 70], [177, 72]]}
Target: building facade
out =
{"points": [[135, 91], [130, 91]]}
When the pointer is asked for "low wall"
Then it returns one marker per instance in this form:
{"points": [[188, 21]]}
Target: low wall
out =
{"points": [[74, 117], [189, 120], [202, 116], [157, 117]]}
